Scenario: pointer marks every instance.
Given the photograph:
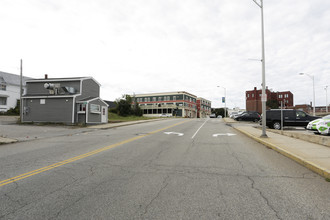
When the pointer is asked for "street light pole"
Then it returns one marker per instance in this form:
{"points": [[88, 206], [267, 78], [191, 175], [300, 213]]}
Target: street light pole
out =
{"points": [[326, 98], [225, 100], [263, 96], [312, 77]]}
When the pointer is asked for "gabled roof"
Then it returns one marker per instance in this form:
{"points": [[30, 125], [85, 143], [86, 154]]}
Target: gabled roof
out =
{"points": [[89, 99], [12, 79]]}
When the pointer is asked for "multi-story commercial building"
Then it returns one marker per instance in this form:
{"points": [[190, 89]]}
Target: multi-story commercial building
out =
{"points": [[253, 99], [182, 104], [203, 107]]}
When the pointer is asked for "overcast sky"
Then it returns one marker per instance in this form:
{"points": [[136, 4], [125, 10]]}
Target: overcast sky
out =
{"points": [[145, 46]]}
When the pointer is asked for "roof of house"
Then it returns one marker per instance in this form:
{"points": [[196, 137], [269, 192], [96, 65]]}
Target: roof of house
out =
{"points": [[12, 79], [63, 79]]}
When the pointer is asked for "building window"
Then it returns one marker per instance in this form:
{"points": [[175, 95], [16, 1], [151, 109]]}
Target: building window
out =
{"points": [[95, 108], [174, 98], [252, 95], [82, 107], [154, 99], [3, 86], [3, 100], [159, 98]]}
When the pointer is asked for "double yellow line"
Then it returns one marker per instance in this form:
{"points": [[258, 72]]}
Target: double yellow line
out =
{"points": [[52, 166]]}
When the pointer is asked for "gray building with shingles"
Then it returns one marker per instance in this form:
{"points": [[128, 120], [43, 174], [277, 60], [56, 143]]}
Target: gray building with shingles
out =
{"points": [[64, 100]]}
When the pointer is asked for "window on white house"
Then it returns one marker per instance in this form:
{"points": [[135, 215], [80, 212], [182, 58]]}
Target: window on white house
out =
{"points": [[3, 100], [3, 84]]}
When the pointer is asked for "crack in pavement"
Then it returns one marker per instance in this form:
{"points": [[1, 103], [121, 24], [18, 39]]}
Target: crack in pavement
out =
{"points": [[164, 185], [264, 197]]}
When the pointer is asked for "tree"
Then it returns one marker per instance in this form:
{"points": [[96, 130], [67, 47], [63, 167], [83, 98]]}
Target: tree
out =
{"points": [[219, 111], [124, 105], [272, 103], [126, 108]]}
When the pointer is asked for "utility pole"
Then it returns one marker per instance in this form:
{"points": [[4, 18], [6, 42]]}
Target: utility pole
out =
{"points": [[21, 92], [263, 95], [326, 98]]}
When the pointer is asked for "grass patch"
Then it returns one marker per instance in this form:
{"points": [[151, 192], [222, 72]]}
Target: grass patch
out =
{"points": [[327, 179], [113, 118]]}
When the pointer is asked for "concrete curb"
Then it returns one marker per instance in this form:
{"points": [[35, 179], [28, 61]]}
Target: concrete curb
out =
{"points": [[313, 138], [314, 167]]}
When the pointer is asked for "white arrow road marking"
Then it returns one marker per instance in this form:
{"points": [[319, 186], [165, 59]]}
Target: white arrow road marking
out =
{"points": [[225, 134], [171, 132]]}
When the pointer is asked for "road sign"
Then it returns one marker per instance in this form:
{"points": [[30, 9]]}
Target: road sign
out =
{"points": [[223, 99]]}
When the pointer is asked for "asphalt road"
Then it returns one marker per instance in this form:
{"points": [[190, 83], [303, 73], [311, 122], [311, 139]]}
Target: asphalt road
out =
{"points": [[171, 169]]}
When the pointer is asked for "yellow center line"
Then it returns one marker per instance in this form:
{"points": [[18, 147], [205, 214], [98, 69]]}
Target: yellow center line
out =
{"points": [[70, 160]]}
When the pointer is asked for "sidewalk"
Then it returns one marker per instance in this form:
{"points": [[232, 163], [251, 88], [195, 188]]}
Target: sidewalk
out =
{"points": [[315, 157]]}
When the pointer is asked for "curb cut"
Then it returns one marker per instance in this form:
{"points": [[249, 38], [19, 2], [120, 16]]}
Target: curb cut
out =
{"points": [[309, 165]]}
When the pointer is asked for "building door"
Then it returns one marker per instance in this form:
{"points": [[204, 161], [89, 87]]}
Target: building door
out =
{"points": [[104, 117]]}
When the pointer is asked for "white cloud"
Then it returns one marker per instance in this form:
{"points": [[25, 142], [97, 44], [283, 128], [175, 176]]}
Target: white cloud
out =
{"points": [[153, 46]]}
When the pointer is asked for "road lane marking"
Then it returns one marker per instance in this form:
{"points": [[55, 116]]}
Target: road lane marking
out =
{"points": [[225, 134], [176, 133], [199, 129], [70, 160]]}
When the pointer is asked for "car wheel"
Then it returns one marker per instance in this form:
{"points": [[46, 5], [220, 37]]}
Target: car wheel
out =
{"points": [[277, 125], [255, 120]]}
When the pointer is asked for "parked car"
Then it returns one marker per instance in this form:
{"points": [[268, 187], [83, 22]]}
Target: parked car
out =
{"points": [[248, 116], [291, 117], [231, 115], [212, 116], [320, 126]]}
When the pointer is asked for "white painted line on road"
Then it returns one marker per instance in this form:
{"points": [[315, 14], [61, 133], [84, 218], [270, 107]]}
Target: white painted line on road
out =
{"points": [[199, 129], [171, 132], [225, 134]]}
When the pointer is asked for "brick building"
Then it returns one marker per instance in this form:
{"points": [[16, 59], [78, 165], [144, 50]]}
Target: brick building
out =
{"points": [[253, 99], [203, 108], [182, 104]]}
